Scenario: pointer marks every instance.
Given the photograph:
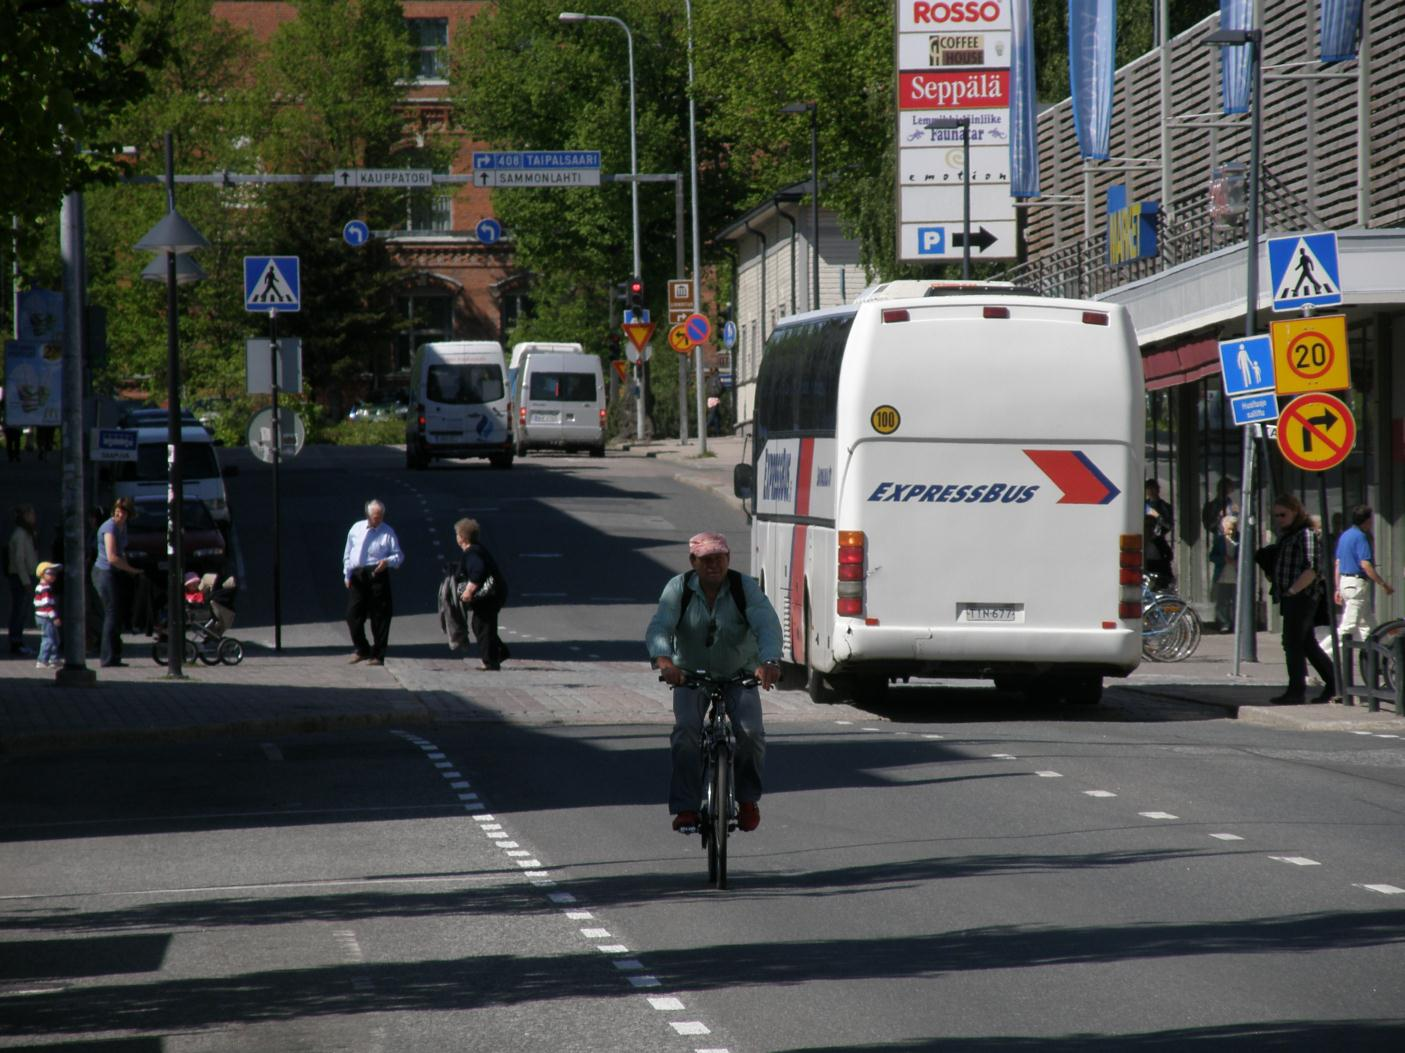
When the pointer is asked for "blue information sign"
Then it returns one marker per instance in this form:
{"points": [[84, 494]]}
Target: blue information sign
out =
{"points": [[1254, 409], [355, 233], [1304, 270], [488, 230], [1247, 364], [729, 334], [272, 283]]}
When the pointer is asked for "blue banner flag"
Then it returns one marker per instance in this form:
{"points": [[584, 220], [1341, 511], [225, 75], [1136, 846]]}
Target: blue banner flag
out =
{"points": [[1234, 58], [1092, 51], [1024, 128], [1341, 24]]}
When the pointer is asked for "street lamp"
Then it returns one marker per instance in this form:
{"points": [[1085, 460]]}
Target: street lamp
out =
{"points": [[814, 111], [1245, 622], [964, 123], [573, 17], [174, 236]]}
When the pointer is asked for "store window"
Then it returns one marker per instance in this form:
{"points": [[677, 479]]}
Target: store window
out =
{"points": [[428, 316], [429, 41]]}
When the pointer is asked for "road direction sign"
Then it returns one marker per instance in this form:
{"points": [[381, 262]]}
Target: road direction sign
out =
{"points": [[1316, 432], [1305, 271], [488, 231], [680, 299], [935, 241], [260, 434], [698, 328], [536, 168], [355, 233], [1254, 409], [1310, 354], [678, 339], [272, 283], [729, 334], [382, 177], [113, 444], [1247, 364]]}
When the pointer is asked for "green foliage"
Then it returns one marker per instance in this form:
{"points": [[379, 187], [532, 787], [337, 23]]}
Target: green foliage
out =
{"points": [[364, 433]]}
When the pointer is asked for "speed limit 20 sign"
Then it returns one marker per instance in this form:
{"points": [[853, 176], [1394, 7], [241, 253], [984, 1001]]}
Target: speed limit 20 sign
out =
{"points": [[1310, 354]]}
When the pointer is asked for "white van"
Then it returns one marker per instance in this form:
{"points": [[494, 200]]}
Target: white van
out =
{"points": [[202, 477], [948, 483], [459, 404], [529, 347], [561, 399]]}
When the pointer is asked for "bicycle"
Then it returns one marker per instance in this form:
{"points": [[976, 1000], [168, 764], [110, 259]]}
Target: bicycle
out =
{"points": [[1170, 627], [717, 813]]}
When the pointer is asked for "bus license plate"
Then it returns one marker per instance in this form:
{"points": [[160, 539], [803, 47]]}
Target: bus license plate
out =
{"points": [[990, 612]]}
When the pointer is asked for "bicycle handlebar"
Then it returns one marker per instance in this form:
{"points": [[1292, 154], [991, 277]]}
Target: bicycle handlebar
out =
{"points": [[701, 679]]}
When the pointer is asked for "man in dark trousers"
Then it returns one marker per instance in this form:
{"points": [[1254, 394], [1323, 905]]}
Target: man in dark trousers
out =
{"points": [[484, 591], [372, 551]]}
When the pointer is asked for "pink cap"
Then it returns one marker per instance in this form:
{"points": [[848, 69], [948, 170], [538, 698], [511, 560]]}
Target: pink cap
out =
{"points": [[707, 544]]}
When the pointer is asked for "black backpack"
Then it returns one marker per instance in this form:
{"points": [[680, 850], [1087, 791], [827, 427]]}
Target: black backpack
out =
{"points": [[734, 582]]}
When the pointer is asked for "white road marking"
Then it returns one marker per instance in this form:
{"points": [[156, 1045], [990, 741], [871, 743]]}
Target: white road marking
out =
{"points": [[561, 897], [845, 723], [505, 844], [924, 736], [460, 785], [1099, 793], [1002, 756], [519, 853], [1387, 735], [1385, 890], [529, 863], [580, 915], [596, 934], [666, 1003], [1158, 815], [489, 823], [690, 1027], [1297, 861], [443, 764], [1227, 837], [627, 965], [435, 756], [612, 948], [1048, 775], [643, 980]]}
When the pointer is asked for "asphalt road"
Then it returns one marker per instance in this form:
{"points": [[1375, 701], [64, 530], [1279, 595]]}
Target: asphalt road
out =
{"points": [[958, 871]]}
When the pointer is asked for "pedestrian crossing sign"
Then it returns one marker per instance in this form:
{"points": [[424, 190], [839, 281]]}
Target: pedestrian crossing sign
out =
{"points": [[1305, 271], [272, 283]]}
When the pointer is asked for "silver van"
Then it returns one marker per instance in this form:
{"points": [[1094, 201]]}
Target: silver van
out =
{"points": [[459, 404], [562, 403], [201, 475]]}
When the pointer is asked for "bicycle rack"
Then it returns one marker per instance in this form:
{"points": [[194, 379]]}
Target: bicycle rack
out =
{"points": [[1373, 691]]}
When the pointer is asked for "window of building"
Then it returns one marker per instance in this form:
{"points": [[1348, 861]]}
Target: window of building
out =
{"points": [[429, 40], [429, 209], [428, 316]]}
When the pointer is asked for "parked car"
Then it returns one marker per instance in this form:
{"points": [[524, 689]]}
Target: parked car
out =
{"points": [[203, 545]]}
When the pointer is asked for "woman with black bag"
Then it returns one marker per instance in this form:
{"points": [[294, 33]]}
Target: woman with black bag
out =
{"points": [[485, 593], [1299, 586]]}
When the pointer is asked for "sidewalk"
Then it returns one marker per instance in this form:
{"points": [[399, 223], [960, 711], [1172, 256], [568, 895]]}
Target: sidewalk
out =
{"points": [[314, 689]]}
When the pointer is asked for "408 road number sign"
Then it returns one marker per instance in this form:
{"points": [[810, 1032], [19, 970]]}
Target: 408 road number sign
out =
{"points": [[1316, 432]]}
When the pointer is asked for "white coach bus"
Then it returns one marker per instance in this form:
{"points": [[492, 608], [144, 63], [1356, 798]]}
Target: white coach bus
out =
{"points": [[947, 482]]}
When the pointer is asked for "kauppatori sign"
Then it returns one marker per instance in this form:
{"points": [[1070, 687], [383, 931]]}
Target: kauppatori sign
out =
{"points": [[383, 177], [536, 168]]}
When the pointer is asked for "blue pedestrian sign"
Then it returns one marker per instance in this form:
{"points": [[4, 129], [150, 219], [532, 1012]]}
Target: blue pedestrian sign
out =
{"points": [[272, 283], [1305, 271], [355, 233], [729, 334], [1254, 409], [1247, 364], [488, 231]]}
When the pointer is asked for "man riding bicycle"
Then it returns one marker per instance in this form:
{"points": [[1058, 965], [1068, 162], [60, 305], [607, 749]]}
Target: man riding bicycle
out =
{"points": [[717, 621]]}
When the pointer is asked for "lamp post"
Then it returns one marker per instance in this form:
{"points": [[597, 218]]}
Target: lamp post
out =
{"points": [[573, 17], [964, 123], [813, 109], [173, 235], [697, 246], [1245, 620]]}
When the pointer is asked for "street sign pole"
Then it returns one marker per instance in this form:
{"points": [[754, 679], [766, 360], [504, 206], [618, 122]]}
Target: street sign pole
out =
{"points": [[277, 457]]}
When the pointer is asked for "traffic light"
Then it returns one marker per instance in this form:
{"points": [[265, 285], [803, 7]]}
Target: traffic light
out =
{"points": [[636, 294], [621, 292], [616, 345]]}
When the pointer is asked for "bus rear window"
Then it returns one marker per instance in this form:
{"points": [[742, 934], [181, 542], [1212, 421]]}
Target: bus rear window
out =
{"points": [[562, 387]]}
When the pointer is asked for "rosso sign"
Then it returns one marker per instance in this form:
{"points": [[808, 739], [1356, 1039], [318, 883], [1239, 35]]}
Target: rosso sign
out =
{"points": [[959, 11]]}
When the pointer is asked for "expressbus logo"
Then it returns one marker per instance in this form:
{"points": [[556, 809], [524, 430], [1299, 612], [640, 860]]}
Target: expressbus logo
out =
{"points": [[966, 493], [775, 484], [959, 11]]}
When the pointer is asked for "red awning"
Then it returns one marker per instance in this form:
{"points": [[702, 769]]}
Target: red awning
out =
{"points": [[1173, 366]]}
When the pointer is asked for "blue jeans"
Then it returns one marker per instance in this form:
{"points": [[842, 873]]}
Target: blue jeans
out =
{"points": [[50, 649], [110, 650], [689, 711]]}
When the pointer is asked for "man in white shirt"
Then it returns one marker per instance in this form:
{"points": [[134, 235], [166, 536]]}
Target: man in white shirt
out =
{"points": [[372, 550]]}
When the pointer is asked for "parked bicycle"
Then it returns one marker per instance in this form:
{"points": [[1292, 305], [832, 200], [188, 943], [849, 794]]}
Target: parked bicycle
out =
{"points": [[1170, 627], [717, 813]]}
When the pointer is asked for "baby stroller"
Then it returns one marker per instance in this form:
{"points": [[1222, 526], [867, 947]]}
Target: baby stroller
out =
{"points": [[209, 614]]}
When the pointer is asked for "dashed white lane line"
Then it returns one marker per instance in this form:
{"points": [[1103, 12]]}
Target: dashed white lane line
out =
{"points": [[1099, 793], [1385, 890], [666, 1003], [1158, 815], [1002, 756], [690, 1027], [1227, 837], [1297, 861], [1049, 774], [596, 934]]}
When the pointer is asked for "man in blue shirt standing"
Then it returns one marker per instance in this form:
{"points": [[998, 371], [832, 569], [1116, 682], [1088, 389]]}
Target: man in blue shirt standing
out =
{"points": [[372, 551], [699, 627], [1355, 570]]}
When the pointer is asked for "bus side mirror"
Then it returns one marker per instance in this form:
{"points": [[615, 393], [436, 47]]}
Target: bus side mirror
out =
{"points": [[742, 483]]}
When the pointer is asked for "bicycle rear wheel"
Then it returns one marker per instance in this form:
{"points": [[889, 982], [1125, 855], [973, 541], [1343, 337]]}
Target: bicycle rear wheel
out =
{"points": [[721, 818]]}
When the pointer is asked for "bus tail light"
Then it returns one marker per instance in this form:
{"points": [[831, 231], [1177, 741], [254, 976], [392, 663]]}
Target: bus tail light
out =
{"points": [[1129, 576], [996, 312], [849, 592], [1094, 318], [896, 314]]}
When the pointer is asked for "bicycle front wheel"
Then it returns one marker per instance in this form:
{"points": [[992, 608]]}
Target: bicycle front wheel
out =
{"points": [[705, 827], [721, 818]]}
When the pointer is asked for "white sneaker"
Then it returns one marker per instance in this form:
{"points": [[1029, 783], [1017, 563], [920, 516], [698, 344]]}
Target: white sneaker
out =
{"points": [[41, 665]]}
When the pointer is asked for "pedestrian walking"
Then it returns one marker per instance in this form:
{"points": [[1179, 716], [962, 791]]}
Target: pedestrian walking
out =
{"points": [[1224, 571], [1354, 572], [1298, 586], [1158, 524], [372, 552], [111, 558], [20, 557], [485, 592], [47, 614]]}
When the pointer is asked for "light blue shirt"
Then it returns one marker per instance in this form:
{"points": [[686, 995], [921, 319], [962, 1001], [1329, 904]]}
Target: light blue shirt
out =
{"points": [[367, 546], [737, 644], [1354, 547]]}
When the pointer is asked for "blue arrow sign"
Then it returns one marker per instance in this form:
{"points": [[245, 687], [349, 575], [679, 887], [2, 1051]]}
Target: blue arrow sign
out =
{"points": [[488, 230], [272, 283], [1247, 364], [355, 233], [535, 159], [1304, 270]]}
